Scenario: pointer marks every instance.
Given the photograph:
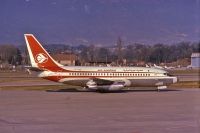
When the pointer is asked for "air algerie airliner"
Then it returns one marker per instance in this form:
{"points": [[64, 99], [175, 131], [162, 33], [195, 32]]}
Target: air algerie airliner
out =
{"points": [[94, 78]]}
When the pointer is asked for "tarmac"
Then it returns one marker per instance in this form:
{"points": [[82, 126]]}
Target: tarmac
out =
{"points": [[188, 77], [71, 111]]}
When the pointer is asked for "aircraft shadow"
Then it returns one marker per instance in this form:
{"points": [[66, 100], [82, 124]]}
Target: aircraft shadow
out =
{"points": [[118, 91], [77, 90], [68, 90], [165, 90]]}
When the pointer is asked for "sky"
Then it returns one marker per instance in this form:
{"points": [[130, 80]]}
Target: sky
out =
{"points": [[100, 22]]}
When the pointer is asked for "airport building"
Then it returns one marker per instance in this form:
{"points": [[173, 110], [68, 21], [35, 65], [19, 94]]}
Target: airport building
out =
{"points": [[66, 59], [195, 60]]}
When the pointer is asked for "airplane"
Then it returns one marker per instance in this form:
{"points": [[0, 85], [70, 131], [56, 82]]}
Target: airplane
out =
{"points": [[94, 78], [159, 67], [169, 68], [146, 65]]}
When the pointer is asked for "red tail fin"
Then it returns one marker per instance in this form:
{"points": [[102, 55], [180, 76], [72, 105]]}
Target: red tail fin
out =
{"points": [[39, 57]]}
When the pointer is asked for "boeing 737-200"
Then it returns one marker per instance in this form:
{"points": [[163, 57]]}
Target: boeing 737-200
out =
{"points": [[94, 78]]}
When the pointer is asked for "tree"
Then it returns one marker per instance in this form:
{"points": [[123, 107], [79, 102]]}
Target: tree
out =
{"points": [[119, 51], [103, 55], [10, 54], [158, 53]]}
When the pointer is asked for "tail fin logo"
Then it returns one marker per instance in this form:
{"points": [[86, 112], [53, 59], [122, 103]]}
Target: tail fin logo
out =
{"points": [[41, 58]]}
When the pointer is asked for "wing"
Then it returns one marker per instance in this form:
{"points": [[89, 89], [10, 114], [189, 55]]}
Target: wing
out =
{"points": [[104, 84]]}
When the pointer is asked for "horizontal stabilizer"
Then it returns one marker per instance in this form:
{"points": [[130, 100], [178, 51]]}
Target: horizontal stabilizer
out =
{"points": [[36, 69]]}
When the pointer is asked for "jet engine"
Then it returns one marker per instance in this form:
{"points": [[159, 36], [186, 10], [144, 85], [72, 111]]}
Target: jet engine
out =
{"points": [[92, 85], [113, 87]]}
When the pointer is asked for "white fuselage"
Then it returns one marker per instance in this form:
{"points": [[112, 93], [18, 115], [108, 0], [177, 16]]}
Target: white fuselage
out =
{"points": [[132, 76]]}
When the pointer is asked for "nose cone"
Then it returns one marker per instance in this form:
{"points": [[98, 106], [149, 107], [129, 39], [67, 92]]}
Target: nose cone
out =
{"points": [[175, 79]]}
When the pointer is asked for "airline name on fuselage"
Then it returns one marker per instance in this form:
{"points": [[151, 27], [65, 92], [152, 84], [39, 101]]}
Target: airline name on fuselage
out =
{"points": [[132, 70], [114, 70], [106, 70]]}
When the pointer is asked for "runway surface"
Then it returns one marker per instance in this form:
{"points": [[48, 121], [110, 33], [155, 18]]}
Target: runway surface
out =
{"points": [[188, 77], [70, 111]]}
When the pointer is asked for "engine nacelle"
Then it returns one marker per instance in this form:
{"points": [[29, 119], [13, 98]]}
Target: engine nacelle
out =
{"points": [[92, 85], [106, 87], [114, 87]]}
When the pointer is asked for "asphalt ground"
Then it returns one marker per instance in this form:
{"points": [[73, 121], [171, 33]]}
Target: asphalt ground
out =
{"points": [[71, 111], [188, 77]]}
